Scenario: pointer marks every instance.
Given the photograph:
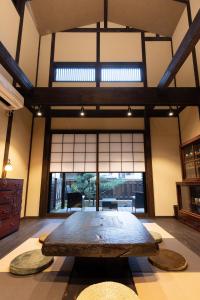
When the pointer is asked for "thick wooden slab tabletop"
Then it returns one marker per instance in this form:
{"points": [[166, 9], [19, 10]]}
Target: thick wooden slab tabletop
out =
{"points": [[100, 234]]}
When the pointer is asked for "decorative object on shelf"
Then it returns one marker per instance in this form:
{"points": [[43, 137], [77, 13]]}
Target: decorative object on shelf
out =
{"points": [[43, 237], [190, 156], [157, 236], [10, 205], [168, 260], [30, 262], [107, 290], [8, 167]]}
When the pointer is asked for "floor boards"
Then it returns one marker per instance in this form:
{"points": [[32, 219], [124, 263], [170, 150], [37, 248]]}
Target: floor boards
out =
{"points": [[28, 227]]}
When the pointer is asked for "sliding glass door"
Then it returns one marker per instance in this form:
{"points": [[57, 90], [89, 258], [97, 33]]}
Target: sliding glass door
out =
{"points": [[101, 171]]}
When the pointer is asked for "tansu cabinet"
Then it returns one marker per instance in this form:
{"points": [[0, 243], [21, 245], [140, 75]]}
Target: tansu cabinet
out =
{"points": [[10, 205]]}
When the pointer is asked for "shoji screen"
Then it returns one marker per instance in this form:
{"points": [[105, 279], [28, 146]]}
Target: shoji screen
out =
{"points": [[121, 152], [73, 153]]}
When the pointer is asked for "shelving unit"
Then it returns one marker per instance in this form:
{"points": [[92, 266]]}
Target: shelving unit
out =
{"points": [[188, 191]]}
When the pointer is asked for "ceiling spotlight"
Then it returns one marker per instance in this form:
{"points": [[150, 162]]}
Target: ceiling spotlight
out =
{"points": [[39, 112], [171, 112], [129, 112], [82, 112]]}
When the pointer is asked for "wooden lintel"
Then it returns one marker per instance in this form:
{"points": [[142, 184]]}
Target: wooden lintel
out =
{"points": [[115, 113], [103, 96]]}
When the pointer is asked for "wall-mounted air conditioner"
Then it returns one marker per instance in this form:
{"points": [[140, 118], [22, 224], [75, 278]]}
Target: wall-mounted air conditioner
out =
{"points": [[10, 98]]}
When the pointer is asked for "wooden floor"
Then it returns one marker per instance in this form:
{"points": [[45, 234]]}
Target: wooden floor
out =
{"points": [[186, 235]]}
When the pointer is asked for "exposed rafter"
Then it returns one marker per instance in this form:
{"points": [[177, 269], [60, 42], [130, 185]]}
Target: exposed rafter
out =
{"points": [[187, 45], [13, 69], [113, 96]]}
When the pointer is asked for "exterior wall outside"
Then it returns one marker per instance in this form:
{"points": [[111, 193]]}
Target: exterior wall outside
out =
{"points": [[3, 130], [20, 147], [165, 163], [29, 47], [35, 175]]}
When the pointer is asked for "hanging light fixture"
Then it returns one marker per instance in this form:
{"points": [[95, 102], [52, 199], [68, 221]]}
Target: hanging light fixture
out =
{"points": [[129, 112], [39, 112], [171, 112], [82, 112], [8, 167]]}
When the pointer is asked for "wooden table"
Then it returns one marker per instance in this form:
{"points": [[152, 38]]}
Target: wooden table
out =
{"points": [[101, 242]]}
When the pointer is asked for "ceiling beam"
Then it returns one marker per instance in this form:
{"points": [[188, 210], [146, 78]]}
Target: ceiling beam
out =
{"points": [[187, 45], [13, 69], [107, 113], [89, 96], [91, 30]]}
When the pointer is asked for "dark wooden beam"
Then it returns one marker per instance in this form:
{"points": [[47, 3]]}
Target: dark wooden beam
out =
{"points": [[111, 30], [105, 13], [13, 69], [44, 193], [89, 96], [137, 113], [51, 70], [157, 39], [149, 170], [187, 45]]}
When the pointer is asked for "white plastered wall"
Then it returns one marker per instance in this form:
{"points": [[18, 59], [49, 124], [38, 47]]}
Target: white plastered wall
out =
{"points": [[35, 175], [166, 163], [20, 148], [8, 32], [29, 47]]}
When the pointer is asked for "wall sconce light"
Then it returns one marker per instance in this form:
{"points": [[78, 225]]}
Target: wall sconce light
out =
{"points": [[129, 112], [171, 112], [8, 167], [82, 112]]}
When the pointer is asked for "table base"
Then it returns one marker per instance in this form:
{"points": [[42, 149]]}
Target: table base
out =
{"points": [[88, 271]]}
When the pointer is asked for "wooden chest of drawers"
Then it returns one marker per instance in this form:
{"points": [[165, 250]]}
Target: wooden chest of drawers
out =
{"points": [[10, 205]]}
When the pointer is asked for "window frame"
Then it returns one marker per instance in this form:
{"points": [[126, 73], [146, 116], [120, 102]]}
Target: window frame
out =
{"points": [[98, 66]]}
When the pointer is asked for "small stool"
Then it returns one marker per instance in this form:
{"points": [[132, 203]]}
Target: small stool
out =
{"points": [[30, 262], [108, 290], [157, 236], [43, 237], [168, 260]]}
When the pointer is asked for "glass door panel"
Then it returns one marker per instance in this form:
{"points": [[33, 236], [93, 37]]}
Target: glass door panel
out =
{"points": [[77, 192], [122, 192]]}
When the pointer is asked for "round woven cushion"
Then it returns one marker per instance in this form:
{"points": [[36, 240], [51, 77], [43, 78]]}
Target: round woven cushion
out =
{"points": [[168, 260], [43, 237], [30, 262], [157, 236], [107, 291]]}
